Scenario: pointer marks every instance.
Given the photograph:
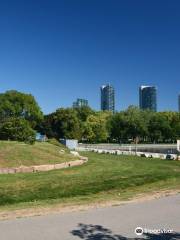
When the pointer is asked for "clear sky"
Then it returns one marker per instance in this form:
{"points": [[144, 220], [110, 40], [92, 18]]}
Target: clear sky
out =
{"points": [[60, 50]]}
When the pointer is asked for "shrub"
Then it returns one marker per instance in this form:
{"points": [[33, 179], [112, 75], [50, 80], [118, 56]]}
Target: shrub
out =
{"points": [[17, 129]]}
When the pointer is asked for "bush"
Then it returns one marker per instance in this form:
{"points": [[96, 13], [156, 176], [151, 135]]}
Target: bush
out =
{"points": [[17, 129]]}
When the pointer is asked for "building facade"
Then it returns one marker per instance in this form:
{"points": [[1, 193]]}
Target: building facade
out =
{"points": [[148, 98], [80, 103], [107, 98]]}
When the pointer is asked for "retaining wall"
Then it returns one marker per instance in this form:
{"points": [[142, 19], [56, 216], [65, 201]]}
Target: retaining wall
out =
{"points": [[43, 168]]}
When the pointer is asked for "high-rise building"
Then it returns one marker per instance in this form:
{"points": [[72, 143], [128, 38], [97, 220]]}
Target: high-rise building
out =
{"points": [[107, 98], [148, 98], [80, 103], [179, 102]]}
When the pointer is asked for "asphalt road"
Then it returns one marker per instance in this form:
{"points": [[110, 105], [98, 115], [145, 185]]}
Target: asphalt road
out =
{"points": [[113, 223]]}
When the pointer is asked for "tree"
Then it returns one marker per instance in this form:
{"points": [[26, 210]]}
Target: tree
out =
{"points": [[175, 125], [118, 127], [83, 113], [63, 123], [47, 126], [136, 124], [128, 124], [173, 119], [95, 128], [17, 129], [159, 128], [17, 104]]}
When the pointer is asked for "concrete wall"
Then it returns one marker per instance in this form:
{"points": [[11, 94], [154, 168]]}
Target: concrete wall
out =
{"points": [[70, 143]]}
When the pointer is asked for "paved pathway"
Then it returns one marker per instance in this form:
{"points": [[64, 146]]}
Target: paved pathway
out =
{"points": [[113, 223]]}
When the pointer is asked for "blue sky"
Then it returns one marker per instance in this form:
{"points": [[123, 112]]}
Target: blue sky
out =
{"points": [[65, 49]]}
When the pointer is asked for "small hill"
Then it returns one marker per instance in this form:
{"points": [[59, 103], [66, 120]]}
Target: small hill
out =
{"points": [[15, 154]]}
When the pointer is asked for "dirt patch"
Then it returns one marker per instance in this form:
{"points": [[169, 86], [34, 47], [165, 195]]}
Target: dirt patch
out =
{"points": [[60, 208]]}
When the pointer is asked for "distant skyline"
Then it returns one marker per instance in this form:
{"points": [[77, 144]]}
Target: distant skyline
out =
{"points": [[108, 98], [148, 98], [62, 50]]}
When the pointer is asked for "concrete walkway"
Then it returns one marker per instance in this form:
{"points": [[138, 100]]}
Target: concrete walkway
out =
{"points": [[113, 223]]}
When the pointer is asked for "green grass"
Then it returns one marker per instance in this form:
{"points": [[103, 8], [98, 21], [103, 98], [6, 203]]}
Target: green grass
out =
{"points": [[104, 177], [14, 154]]}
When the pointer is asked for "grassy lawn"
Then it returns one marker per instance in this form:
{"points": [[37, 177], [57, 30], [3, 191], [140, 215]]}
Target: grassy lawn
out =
{"points": [[14, 154], [104, 177]]}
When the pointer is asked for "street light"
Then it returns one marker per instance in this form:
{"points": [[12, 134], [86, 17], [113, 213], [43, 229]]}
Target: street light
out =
{"points": [[178, 149]]}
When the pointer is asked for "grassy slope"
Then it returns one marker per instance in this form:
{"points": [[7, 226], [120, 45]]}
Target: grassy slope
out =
{"points": [[13, 154], [104, 177]]}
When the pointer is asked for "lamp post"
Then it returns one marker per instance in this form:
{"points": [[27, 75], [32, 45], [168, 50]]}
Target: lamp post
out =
{"points": [[178, 149], [136, 145], [136, 140]]}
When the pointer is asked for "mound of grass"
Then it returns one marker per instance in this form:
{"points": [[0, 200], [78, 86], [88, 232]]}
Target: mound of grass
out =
{"points": [[103, 177], [15, 154], [56, 143]]}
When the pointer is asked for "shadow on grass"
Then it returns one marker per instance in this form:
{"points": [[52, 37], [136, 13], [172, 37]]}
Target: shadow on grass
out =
{"points": [[97, 232]]}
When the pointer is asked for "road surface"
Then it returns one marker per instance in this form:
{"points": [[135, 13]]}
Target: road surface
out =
{"points": [[112, 223]]}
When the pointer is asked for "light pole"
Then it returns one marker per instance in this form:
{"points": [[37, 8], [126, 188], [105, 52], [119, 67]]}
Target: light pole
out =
{"points": [[136, 145], [178, 149], [136, 140]]}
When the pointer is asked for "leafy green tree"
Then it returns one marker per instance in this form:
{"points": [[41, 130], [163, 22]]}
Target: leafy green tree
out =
{"points": [[136, 125], [175, 125], [129, 124], [17, 129], [63, 123], [159, 128], [96, 129], [173, 119], [47, 126], [17, 104], [83, 113], [118, 127]]}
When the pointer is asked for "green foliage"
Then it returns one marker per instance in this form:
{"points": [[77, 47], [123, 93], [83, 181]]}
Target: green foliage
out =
{"points": [[83, 123], [63, 123], [17, 104], [173, 119], [83, 113], [47, 126], [144, 126], [118, 126], [129, 124], [17, 129], [159, 128], [132, 124], [95, 128]]}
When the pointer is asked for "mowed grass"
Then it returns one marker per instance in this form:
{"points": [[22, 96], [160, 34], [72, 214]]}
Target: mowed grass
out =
{"points": [[15, 154], [102, 178]]}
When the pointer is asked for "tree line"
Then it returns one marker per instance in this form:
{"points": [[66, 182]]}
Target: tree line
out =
{"points": [[21, 117]]}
